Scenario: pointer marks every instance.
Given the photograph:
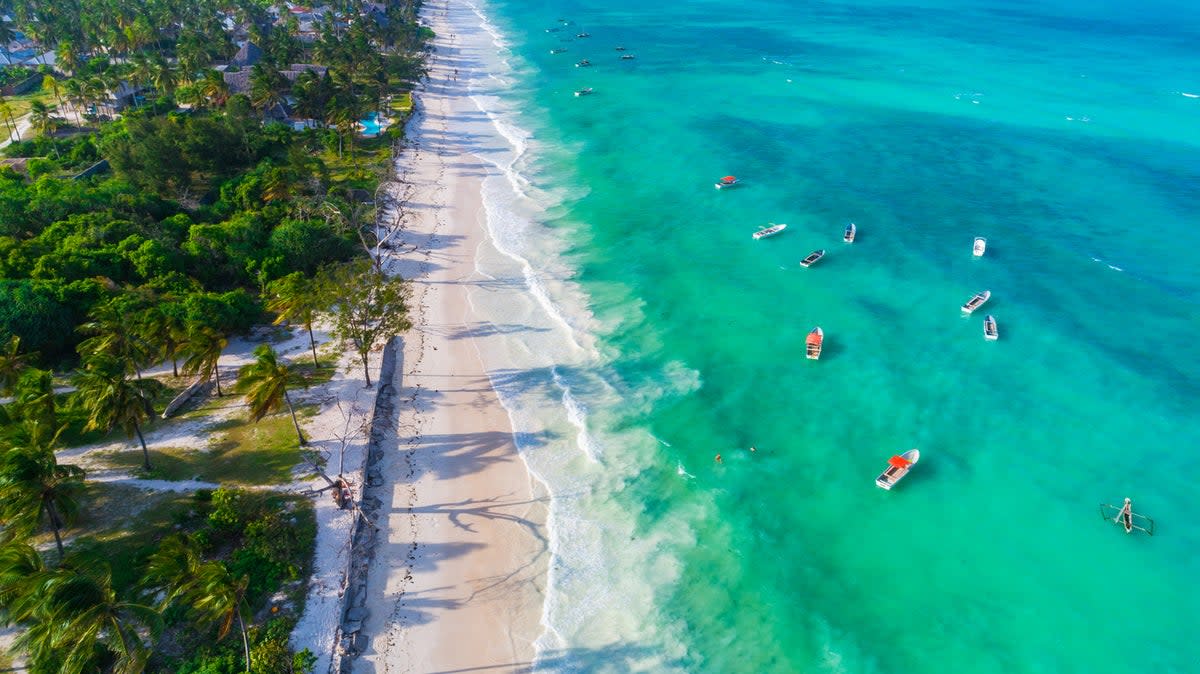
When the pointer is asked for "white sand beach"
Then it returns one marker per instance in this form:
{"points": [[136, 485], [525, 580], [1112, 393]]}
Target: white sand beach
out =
{"points": [[456, 580]]}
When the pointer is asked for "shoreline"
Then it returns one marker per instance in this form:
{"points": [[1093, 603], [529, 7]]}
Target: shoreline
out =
{"points": [[463, 546]]}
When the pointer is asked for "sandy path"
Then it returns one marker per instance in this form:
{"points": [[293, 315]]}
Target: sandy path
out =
{"points": [[456, 582]]}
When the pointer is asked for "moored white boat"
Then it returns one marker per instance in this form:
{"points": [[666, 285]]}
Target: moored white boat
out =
{"points": [[979, 247], [812, 258], [727, 181], [813, 343], [558, 50], [898, 467], [583, 92], [583, 64], [851, 232], [768, 231], [627, 57], [976, 301], [990, 331]]}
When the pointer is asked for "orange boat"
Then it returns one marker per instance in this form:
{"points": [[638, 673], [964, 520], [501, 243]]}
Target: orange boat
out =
{"points": [[813, 343], [727, 181], [898, 467]]}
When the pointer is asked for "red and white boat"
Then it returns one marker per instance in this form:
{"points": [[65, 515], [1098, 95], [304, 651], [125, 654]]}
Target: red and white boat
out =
{"points": [[812, 343], [727, 181], [898, 467]]}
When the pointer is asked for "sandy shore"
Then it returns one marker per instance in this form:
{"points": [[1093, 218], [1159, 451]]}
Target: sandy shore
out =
{"points": [[456, 583]]}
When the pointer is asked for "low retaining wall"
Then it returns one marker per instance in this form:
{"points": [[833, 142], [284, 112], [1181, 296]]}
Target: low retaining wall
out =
{"points": [[362, 549]]}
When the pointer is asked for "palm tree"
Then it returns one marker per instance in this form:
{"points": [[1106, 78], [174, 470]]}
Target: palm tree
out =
{"points": [[267, 87], [34, 486], [203, 348], [74, 90], [113, 334], [163, 76], [264, 384], [297, 299], [164, 330], [34, 397], [177, 574], [42, 119], [111, 399], [214, 87], [20, 567], [6, 114], [66, 57], [73, 614], [12, 363]]}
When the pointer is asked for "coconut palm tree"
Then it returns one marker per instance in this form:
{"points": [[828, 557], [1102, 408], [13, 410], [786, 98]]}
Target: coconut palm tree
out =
{"points": [[12, 363], [42, 118], [110, 399], [6, 115], [20, 567], [34, 397], [34, 486], [203, 347], [297, 299], [73, 615], [213, 597], [113, 334], [162, 328], [214, 87], [264, 385]]}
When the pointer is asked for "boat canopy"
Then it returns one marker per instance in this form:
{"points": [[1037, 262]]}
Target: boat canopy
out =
{"points": [[729, 179], [899, 462], [813, 338]]}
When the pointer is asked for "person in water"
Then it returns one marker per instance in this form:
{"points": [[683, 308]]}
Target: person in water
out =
{"points": [[718, 459]]}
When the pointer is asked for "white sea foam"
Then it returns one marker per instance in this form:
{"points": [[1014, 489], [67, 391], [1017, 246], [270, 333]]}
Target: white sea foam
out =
{"points": [[565, 403], [1184, 93]]}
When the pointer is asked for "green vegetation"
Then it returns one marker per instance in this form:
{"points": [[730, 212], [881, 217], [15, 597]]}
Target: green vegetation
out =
{"points": [[158, 214], [240, 452]]}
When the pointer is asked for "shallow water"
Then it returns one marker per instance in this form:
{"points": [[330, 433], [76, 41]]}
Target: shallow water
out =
{"points": [[639, 330]]}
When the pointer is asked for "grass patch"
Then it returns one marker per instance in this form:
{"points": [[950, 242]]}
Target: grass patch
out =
{"points": [[401, 103], [22, 102], [122, 526], [309, 376], [163, 390], [240, 452]]}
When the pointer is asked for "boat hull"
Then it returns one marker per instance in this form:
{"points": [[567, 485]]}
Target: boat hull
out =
{"points": [[980, 246], [850, 233], [813, 344], [893, 474]]}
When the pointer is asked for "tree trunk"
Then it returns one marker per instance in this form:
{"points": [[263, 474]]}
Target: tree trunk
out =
{"points": [[217, 378], [287, 399], [145, 452], [245, 639], [312, 343], [55, 524], [175, 367], [366, 370]]}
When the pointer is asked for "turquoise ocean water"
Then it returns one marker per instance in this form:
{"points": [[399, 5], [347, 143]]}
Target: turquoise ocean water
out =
{"points": [[662, 334]]}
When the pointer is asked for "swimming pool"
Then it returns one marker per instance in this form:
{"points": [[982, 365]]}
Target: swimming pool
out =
{"points": [[373, 124]]}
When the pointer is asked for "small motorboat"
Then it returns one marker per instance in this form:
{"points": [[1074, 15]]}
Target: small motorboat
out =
{"points": [[553, 30], [812, 258], [583, 92], [812, 343], [627, 57], [619, 48], [898, 467], [582, 35], [558, 50], [772, 230], [851, 231], [990, 332], [980, 246], [976, 301], [583, 64], [727, 181]]}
